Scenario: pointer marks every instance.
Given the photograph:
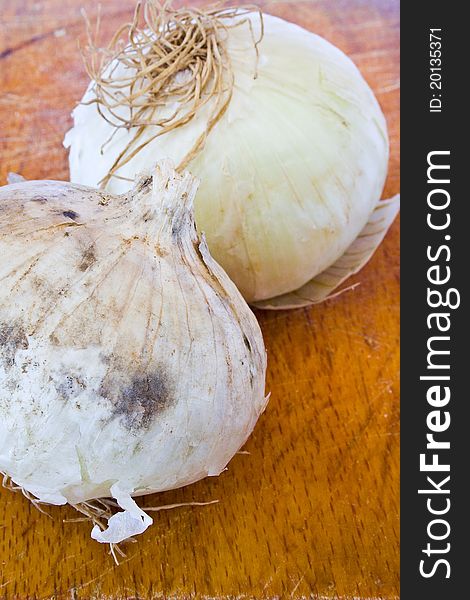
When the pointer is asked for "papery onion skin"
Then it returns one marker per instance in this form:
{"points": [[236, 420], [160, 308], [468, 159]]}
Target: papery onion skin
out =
{"points": [[290, 174], [129, 362]]}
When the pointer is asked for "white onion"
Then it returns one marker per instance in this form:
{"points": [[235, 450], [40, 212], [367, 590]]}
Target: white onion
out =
{"points": [[289, 176], [129, 362]]}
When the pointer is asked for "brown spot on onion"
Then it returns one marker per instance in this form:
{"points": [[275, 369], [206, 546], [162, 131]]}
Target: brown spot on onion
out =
{"points": [[12, 338], [146, 397], [88, 258], [70, 214]]}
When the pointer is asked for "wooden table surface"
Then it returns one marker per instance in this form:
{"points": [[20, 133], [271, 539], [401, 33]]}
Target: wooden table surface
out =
{"points": [[312, 508]]}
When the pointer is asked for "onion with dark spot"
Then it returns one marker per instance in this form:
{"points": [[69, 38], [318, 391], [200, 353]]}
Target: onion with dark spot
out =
{"points": [[129, 362]]}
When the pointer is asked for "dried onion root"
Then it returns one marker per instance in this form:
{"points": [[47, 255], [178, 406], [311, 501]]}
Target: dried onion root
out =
{"points": [[172, 55]]}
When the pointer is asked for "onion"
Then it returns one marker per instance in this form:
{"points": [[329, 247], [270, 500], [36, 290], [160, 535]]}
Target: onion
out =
{"points": [[291, 150], [129, 362]]}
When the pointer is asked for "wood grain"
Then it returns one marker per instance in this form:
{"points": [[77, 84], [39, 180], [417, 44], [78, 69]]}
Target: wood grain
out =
{"points": [[311, 508]]}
